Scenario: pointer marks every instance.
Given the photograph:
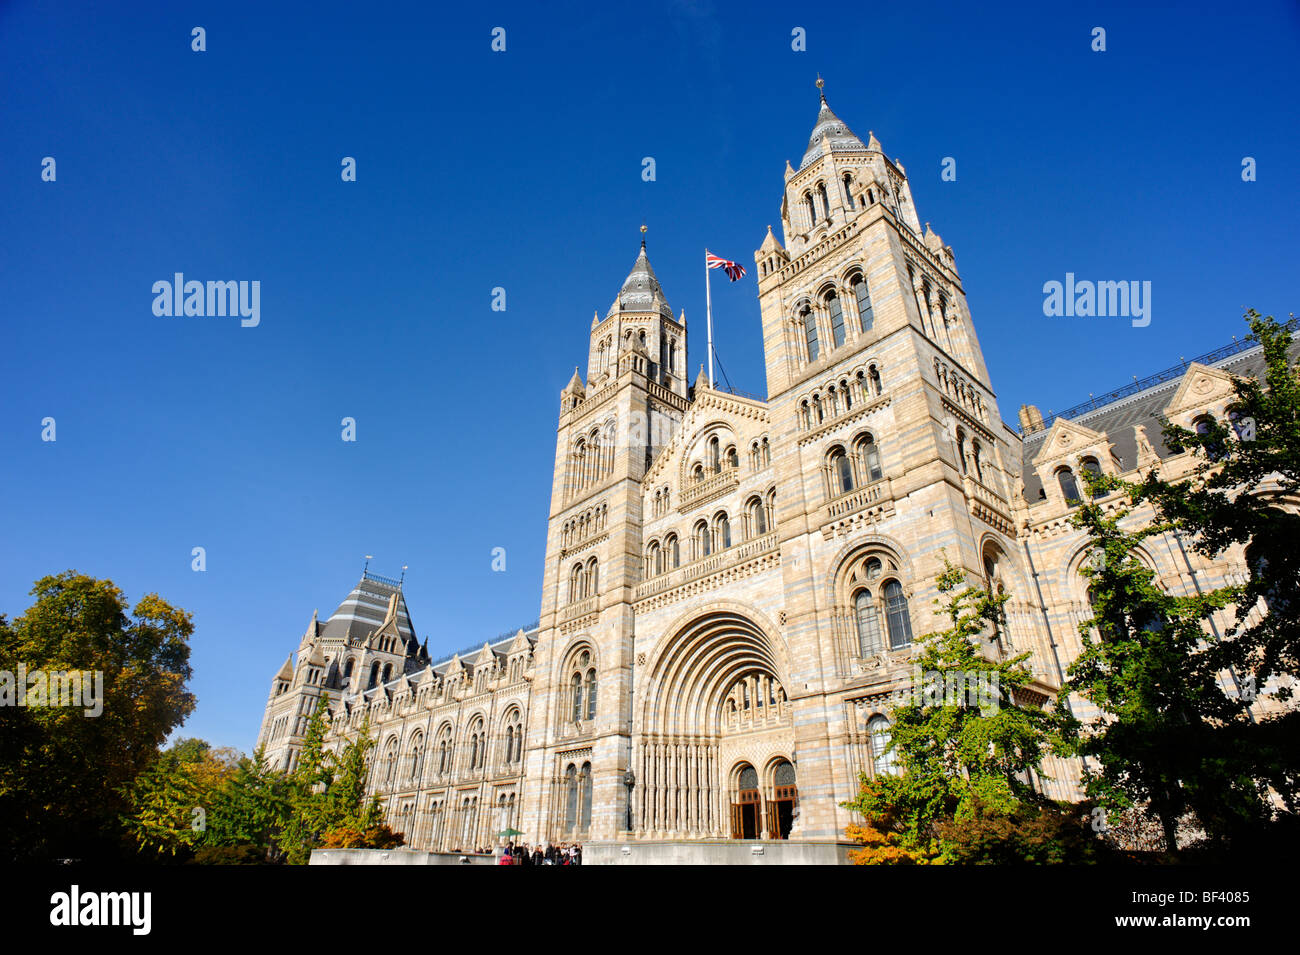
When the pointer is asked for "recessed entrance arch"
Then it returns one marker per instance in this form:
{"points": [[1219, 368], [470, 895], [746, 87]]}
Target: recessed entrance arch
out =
{"points": [[714, 714]]}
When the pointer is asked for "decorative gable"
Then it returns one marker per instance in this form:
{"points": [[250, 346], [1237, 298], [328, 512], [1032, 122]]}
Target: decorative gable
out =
{"points": [[1203, 389]]}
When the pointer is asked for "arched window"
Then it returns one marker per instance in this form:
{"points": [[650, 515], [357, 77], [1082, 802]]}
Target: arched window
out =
{"points": [[390, 761], [866, 315], [374, 675], [876, 386], [444, 750], [715, 458], [975, 461], [757, 518], [347, 670], [961, 449], [868, 624], [593, 578], [591, 693], [703, 545], [477, 745], [841, 472], [847, 392], [869, 459], [1214, 450], [416, 757], [1091, 466], [881, 755], [897, 617], [733, 459], [766, 452], [722, 528], [837, 318], [1069, 486], [848, 196], [826, 202], [810, 332], [817, 408], [575, 691], [388, 672], [674, 551], [812, 208]]}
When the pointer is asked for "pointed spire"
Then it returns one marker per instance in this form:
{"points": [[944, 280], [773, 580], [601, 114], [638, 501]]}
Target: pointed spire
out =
{"points": [[873, 142], [641, 291], [830, 128], [286, 671], [770, 243], [701, 380], [574, 387]]}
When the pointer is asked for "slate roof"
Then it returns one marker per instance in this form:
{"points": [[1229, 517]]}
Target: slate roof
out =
{"points": [[365, 608], [641, 291], [828, 124], [1117, 419]]}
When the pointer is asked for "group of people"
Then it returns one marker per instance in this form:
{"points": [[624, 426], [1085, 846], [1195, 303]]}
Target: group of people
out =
{"points": [[566, 853]]}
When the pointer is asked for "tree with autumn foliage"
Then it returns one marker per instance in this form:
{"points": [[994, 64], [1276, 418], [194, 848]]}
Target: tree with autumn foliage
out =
{"points": [[169, 803], [63, 773]]}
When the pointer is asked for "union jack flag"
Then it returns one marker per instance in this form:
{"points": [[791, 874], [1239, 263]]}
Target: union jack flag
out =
{"points": [[733, 270]]}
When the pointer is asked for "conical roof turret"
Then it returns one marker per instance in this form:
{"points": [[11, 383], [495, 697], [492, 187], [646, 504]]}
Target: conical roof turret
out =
{"points": [[641, 291], [831, 128]]}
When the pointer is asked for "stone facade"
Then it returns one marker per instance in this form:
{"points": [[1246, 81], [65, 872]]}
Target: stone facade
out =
{"points": [[733, 585]]}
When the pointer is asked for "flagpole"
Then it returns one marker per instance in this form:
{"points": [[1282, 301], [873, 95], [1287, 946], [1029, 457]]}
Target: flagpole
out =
{"points": [[708, 305]]}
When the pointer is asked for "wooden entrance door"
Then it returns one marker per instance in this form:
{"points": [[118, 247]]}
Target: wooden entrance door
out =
{"points": [[785, 796], [747, 810]]}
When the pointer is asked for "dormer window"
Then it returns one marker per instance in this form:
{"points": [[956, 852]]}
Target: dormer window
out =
{"points": [[1069, 486]]}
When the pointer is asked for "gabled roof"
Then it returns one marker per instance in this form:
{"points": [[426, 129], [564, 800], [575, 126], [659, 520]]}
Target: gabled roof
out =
{"points": [[832, 128]]}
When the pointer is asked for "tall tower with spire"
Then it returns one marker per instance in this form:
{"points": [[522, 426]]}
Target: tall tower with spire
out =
{"points": [[611, 428], [888, 430]]}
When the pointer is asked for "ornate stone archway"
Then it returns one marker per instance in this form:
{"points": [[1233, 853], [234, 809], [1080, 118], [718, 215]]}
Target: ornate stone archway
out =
{"points": [[714, 697]]}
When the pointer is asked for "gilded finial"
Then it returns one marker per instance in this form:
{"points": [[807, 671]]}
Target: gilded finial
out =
{"points": [[643, 230], [821, 87]]}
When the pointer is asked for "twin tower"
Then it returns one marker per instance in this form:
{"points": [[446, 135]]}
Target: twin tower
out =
{"points": [[732, 586]]}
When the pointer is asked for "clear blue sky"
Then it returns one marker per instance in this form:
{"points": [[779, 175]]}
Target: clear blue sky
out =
{"points": [[522, 170]]}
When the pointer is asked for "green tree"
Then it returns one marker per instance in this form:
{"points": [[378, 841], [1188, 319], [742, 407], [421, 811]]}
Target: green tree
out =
{"points": [[327, 790], [1164, 739], [1172, 739], [958, 757], [63, 774], [1243, 492], [169, 802], [252, 808]]}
